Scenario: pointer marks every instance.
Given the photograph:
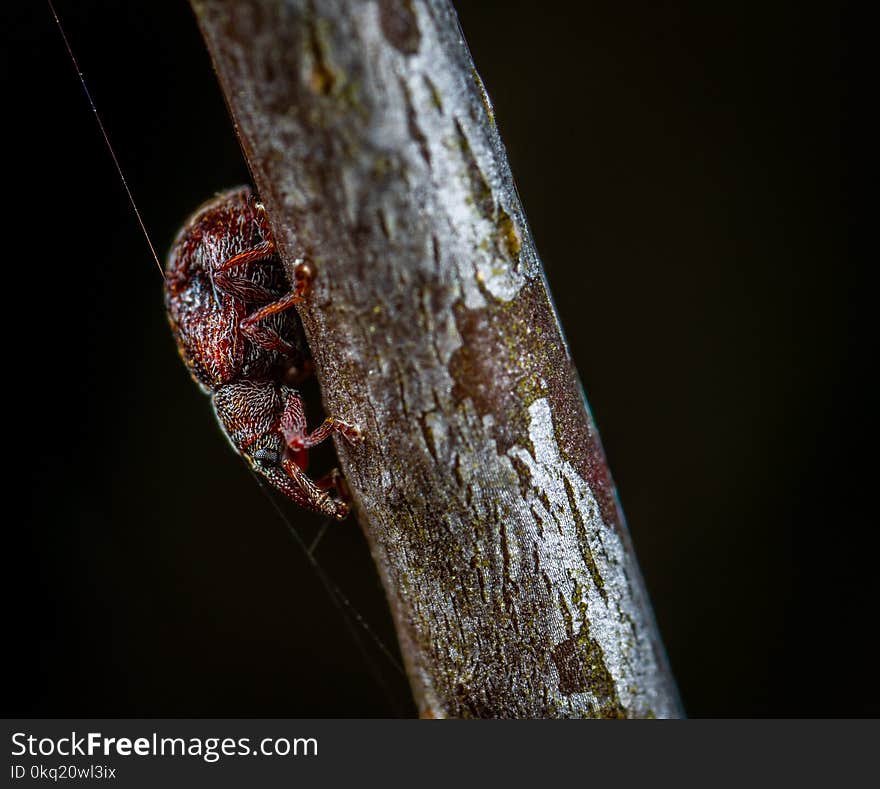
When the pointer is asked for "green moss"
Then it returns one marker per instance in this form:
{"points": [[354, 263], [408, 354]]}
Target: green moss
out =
{"points": [[480, 191], [590, 660], [484, 96], [508, 240], [584, 542], [436, 98], [322, 78]]}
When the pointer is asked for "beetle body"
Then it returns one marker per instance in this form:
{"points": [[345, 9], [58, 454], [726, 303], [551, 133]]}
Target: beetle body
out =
{"points": [[229, 303]]}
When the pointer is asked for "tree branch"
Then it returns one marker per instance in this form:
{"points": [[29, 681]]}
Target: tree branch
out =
{"points": [[481, 485]]}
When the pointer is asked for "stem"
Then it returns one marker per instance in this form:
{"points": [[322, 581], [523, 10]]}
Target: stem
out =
{"points": [[481, 486]]}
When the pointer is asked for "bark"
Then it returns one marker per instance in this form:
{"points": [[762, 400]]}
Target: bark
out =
{"points": [[481, 486]]}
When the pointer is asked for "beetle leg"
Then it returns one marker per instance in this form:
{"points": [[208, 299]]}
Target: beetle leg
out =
{"points": [[295, 431], [335, 481], [262, 219], [302, 274], [265, 336], [243, 288], [292, 481], [261, 251], [248, 412], [313, 496], [285, 302], [302, 284], [238, 286], [330, 425], [258, 333], [247, 290]]}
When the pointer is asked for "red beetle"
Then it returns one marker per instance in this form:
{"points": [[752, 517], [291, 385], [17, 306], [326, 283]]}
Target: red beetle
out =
{"points": [[229, 303]]}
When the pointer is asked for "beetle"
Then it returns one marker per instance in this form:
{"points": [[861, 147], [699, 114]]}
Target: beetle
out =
{"points": [[229, 304]]}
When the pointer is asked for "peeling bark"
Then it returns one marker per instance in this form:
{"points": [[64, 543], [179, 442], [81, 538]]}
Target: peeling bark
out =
{"points": [[481, 485]]}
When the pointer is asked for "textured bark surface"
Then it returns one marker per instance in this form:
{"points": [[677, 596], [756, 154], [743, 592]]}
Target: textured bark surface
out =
{"points": [[481, 485]]}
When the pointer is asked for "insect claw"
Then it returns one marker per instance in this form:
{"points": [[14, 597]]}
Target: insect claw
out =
{"points": [[353, 435], [303, 274]]}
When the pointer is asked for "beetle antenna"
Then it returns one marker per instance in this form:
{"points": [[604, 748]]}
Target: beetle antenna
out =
{"points": [[106, 138]]}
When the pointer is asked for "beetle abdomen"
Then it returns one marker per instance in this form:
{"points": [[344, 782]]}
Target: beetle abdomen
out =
{"points": [[204, 317]]}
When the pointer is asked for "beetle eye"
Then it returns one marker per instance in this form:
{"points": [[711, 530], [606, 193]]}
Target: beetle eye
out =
{"points": [[265, 457]]}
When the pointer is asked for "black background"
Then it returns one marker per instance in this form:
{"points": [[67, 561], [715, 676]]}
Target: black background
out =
{"points": [[684, 168]]}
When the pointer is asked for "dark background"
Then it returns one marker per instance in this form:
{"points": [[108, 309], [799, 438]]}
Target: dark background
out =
{"points": [[697, 159]]}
